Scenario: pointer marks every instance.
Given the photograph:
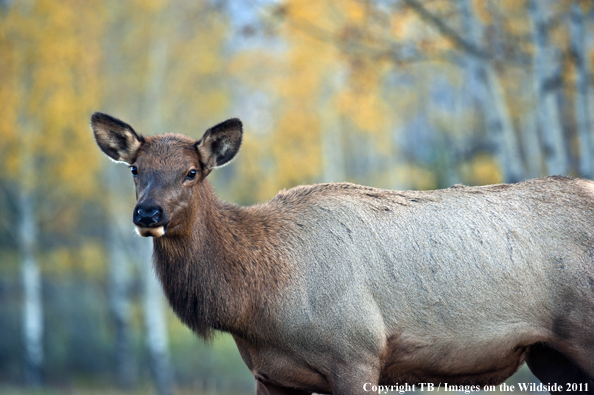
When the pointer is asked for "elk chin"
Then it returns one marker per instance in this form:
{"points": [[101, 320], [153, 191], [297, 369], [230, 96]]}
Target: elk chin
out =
{"points": [[145, 231]]}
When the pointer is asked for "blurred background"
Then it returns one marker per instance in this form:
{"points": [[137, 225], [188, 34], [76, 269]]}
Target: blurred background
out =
{"points": [[399, 94]]}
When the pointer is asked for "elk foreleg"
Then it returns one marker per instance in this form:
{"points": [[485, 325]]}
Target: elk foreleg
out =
{"points": [[354, 379], [271, 389]]}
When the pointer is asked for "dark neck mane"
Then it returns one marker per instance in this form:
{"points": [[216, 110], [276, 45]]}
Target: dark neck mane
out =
{"points": [[219, 275]]}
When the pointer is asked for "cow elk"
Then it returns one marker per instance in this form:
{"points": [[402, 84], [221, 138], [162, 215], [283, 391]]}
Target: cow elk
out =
{"points": [[338, 288]]}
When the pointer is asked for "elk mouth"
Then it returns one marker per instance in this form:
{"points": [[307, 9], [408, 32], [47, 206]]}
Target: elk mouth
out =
{"points": [[151, 231], [150, 220]]}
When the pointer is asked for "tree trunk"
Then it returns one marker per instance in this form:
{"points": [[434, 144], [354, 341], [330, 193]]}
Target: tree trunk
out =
{"points": [[119, 280], [118, 224], [31, 277], [508, 144], [333, 166], [26, 226], [157, 338], [583, 81], [492, 100], [122, 241], [527, 138], [154, 314], [531, 145], [546, 82]]}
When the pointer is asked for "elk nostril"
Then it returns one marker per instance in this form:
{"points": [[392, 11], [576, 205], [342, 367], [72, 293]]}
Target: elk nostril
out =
{"points": [[147, 216], [137, 215], [156, 215]]}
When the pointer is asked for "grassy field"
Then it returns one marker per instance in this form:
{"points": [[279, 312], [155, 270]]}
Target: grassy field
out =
{"points": [[7, 390], [86, 388], [11, 390]]}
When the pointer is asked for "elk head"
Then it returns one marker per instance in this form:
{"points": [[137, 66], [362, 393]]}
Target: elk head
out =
{"points": [[167, 169]]}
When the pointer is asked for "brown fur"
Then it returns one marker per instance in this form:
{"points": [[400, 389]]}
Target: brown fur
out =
{"points": [[227, 269]]}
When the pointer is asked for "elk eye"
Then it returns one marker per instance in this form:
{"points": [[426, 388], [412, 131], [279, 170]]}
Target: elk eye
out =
{"points": [[191, 174], [134, 170]]}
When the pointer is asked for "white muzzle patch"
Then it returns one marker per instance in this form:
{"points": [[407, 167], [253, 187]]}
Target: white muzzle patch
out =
{"points": [[150, 232]]}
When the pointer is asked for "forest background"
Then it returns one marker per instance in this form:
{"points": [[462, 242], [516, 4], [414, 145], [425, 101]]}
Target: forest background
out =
{"points": [[398, 94]]}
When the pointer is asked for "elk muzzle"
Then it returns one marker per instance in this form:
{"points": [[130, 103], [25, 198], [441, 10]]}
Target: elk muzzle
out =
{"points": [[150, 220]]}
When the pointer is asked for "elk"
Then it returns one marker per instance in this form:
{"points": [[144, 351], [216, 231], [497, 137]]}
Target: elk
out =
{"points": [[339, 288]]}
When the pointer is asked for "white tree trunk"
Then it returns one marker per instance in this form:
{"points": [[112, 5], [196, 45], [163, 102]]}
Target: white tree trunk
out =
{"points": [[32, 318], [546, 79], [583, 81], [508, 140], [123, 244], [531, 145], [332, 148], [27, 232], [119, 229], [492, 99], [154, 311], [333, 165], [120, 280], [157, 338]]}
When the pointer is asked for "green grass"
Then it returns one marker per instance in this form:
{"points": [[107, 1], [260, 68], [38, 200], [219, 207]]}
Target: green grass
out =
{"points": [[12, 390]]}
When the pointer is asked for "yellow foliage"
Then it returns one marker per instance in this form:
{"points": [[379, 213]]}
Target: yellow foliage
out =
{"points": [[296, 148], [368, 111], [514, 5], [306, 10], [517, 22], [306, 74], [87, 259], [150, 5], [355, 12], [256, 182], [47, 96], [482, 170], [416, 177], [482, 11]]}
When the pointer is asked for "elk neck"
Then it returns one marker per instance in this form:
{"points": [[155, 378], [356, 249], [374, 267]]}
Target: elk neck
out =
{"points": [[222, 274]]}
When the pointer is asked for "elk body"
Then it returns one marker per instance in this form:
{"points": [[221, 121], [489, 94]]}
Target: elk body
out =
{"points": [[334, 288]]}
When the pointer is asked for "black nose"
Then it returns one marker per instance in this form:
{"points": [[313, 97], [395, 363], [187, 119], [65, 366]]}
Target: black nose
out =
{"points": [[147, 216]]}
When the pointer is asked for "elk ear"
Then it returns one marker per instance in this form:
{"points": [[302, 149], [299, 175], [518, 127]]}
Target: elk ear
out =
{"points": [[117, 139], [220, 143]]}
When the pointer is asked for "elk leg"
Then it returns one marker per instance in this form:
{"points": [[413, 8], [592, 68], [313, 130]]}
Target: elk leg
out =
{"points": [[550, 366], [354, 380], [271, 389]]}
